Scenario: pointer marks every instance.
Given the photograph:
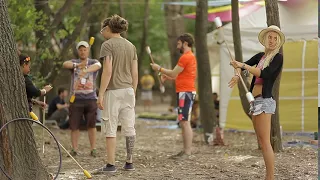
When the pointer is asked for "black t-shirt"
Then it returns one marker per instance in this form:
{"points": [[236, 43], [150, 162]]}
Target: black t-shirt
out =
{"points": [[31, 90], [216, 104], [53, 105]]}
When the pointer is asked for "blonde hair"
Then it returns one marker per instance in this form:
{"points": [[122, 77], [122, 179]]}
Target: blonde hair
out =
{"points": [[270, 55]]}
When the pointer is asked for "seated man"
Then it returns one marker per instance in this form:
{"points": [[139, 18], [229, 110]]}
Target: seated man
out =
{"points": [[58, 109]]}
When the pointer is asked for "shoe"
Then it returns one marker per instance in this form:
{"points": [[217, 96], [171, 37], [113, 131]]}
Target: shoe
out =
{"points": [[73, 153], [177, 155], [93, 153], [128, 167], [109, 169], [181, 155]]}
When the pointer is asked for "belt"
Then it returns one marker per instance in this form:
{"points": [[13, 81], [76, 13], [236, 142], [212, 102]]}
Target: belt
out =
{"points": [[259, 95]]}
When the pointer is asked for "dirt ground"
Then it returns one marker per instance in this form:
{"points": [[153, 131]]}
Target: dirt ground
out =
{"points": [[239, 159]]}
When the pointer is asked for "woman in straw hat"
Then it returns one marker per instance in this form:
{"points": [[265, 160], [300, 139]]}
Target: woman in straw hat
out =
{"points": [[265, 67]]}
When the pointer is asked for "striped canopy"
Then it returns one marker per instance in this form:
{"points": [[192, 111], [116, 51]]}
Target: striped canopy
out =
{"points": [[224, 12]]}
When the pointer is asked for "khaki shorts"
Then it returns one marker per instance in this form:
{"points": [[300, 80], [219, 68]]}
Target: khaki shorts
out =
{"points": [[118, 106]]}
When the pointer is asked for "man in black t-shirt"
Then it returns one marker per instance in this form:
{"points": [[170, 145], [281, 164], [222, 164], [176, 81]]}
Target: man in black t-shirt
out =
{"points": [[58, 109]]}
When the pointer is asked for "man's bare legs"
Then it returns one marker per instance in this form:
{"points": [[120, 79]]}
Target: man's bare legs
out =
{"points": [[75, 134], [74, 139], [111, 150], [92, 138], [187, 136], [147, 105]]}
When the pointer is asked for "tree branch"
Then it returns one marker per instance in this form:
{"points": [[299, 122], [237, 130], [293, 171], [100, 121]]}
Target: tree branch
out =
{"points": [[59, 15], [70, 39]]}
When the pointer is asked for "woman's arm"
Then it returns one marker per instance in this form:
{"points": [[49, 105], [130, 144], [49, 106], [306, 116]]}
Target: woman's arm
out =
{"points": [[267, 72], [32, 91]]}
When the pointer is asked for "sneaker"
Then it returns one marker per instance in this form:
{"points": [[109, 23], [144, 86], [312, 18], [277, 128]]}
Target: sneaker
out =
{"points": [[73, 153], [109, 169], [93, 153], [128, 167]]}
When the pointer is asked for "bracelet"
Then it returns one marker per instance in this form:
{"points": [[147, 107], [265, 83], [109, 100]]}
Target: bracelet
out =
{"points": [[33, 101], [243, 66]]}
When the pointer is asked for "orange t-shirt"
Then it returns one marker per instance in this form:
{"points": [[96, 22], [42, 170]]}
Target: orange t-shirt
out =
{"points": [[185, 81]]}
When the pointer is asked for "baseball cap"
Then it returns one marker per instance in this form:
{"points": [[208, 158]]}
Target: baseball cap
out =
{"points": [[82, 43]]}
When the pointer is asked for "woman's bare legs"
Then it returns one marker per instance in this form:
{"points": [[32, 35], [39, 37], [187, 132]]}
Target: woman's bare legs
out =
{"points": [[262, 126]]}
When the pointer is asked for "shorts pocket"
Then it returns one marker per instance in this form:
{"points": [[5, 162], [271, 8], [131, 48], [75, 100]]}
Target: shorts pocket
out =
{"points": [[130, 98]]}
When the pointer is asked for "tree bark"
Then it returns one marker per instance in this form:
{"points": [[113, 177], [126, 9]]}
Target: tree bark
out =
{"points": [[175, 27], [238, 54], [207, 114], [272, 11], [18, 152]]}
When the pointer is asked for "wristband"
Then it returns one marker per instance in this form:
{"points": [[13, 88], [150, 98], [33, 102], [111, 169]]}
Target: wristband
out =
{"points": [[45, 92]]}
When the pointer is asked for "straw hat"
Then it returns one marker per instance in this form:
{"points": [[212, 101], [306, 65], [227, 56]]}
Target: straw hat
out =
{"points": [[268, 29]]}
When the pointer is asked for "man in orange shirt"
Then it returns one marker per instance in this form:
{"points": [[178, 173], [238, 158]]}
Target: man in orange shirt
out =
{"points": [[184, 74]]}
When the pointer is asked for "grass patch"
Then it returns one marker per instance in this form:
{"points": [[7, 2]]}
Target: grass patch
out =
{"points": [[146, 115]]}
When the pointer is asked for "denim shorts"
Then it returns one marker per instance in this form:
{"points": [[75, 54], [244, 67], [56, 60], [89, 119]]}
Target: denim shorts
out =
{"points": [[260, 105]]}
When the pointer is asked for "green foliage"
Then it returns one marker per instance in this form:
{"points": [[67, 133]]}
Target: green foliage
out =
{"points": [[157, 36], [158, 116], [23, 17]]}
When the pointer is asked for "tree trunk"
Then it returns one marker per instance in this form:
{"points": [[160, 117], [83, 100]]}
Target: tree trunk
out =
{"points": [[273, 18], [144, 37], [238, 54], [207, 114], [175, 27], [18, 151]]}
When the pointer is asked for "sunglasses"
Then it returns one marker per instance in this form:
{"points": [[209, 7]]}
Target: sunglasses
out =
{"points": [[102, 29]]}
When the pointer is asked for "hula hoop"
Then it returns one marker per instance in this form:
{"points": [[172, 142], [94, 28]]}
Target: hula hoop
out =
{"points": [[37, 122]]}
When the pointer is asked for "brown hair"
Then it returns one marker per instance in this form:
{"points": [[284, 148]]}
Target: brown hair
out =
{"points": [[116, 23], [186, 38], [105, 22]]}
